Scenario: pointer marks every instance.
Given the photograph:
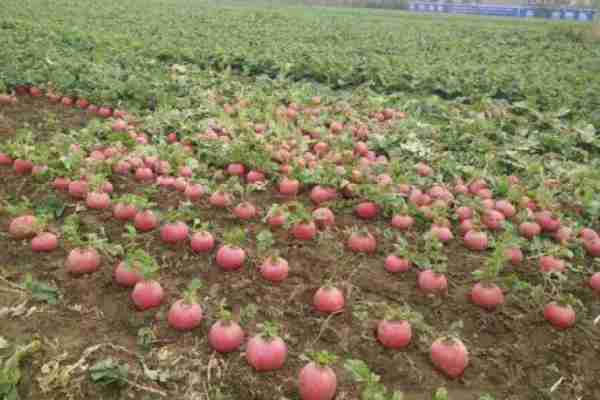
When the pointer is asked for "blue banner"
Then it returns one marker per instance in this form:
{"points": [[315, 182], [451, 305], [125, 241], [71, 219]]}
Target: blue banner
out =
{"points": [[573, 14]]}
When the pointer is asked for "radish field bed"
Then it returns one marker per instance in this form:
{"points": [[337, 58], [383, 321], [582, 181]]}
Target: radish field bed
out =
{"points": [[440, 173]]}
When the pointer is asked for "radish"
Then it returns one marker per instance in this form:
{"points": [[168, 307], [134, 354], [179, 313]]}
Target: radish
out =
{"points": [[119, 126], [220, 199], [320, 194], [180, 184], [551, 264], [563, 234], [255, 177], [186, 314], [145, 221], [592, 246], [304, 230], [506, 208], [487, 295], [289, 187], [35, 92], [329, 299], [274, 269], [44, 242], [225, 335], [588, 234], [323, 217], [464, 213], [144, 174], [23, 227], [594, 282], [194, 192], [78, 189], [442, 233], [22, 167], [395, 331], [122, 167], [466, 226], [476, 241], [561, 316], [394, 264], [366, 210], [97, 201], [124, 212], [82, 104], [127, 273], [493, 219], [175, 232], [230, 255], [362, 241], [316, 380], [432, 282], [147, 294], [245, 211], [529, 229], [276, 218], [61, 184], [450, 356], [424, 169], [547, 221], [83, 261], [266, 351], [402, 222], [67, 101], [5, 160], [202, 242], [514, 255]]}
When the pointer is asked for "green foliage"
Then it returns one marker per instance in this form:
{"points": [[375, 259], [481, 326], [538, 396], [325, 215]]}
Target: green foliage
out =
{"points": [[109, 372], [41, 291], [10, 373], [373, 389]]}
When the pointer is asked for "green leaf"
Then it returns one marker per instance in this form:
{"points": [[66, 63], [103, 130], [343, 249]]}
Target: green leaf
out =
{"points": [[41, 291], [108, 372]]}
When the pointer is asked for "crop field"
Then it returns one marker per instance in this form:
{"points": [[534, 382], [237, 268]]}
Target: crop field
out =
{"points": [[212, 201]]}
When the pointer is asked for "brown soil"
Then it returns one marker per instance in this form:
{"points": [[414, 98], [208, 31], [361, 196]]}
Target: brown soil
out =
{"points": [[514, 353]]}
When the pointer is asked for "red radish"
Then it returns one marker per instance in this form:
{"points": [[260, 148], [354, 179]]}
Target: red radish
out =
{"points": [[551, 264], [432, 282], [488, 204], [194, 191], [289, 187], [225, 335], [185, 171], [485, 194], [329, 299], [592, 247], [424, 169], [174, 232], [166, 182], [61, 184], [144, 174], [104, 112], [180, 184], [5, 99], [44, 242], [147, 294], [506, 208], [186, 314], [255, 177], [127, 274], [23, 227], [493, 219], [336, 127], [82, 104], [119, 126], [83, 261], [220, 199], [362, 242], [402, 222], [476, 241], [323, 217], [529, 229], [316, 380], [595, 282], [38, 170], [560, 316], [588, 234], [92, 108], [230, 258], [321, 148], [394, 263], [97, 201], [450, 356], [78, 189], [464, 213], [563, 234], [466, 226], [124, 212], [366, 210], [245, 211], [395, 331], [67, 101], [22, 167], [320, 194], [487, 295], [304, 231], [442, 233], [274, 269], [35, 92], [514, 255], [547, 221], [276, 219], [202, 242], [5, 160], [145, 221], [266, 351], [236, 169]]}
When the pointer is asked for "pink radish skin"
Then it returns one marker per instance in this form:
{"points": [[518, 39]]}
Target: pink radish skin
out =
{"points": [[147, 294], [367, 210], [289, 187], [329, 300], [317, 382], [174, 233], [126, 277], [202, 242], [402, 222], [529, 230], [220, 200], [304, 231], [78, 189], [432, 283], [514, 256], [561, 317], [274, 269], [225, 336], [323, 217], [395, 264], [230, 258], [266, 354], [551, 264], [476, 241], [449, 356], [23, 227], [594, 282], [83, 261], [44, 242], [145, 221], [362, 243], [124, 212], [183, 316], [97, 201], [394, 334], [487, 296], [245, 211]]}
